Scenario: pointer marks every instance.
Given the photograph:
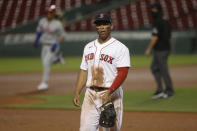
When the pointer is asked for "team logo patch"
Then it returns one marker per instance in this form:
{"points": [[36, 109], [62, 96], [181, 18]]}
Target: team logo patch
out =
{"points": [[89, 57]]}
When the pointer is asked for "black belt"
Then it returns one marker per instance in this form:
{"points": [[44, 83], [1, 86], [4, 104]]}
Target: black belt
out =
{"points": [[97, 89]]}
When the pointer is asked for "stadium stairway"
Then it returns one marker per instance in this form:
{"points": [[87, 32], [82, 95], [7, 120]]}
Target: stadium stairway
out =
{"points": [[182, 15], [23, 15], [79, 14]]}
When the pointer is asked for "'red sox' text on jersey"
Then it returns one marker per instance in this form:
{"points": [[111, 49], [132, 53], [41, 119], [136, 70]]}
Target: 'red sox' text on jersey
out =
{"points": [[103, 60]]}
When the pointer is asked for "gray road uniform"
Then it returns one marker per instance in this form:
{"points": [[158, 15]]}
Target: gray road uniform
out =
{"points": [[52, 31]]}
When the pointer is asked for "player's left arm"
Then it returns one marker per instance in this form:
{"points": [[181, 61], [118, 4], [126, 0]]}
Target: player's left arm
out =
{"points": [[61, 33], [120, 78], [61, 39], [123, 65], [61, 36]]}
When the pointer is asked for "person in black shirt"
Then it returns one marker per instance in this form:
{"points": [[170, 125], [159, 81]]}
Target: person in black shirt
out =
{"points": [[160, 43]]}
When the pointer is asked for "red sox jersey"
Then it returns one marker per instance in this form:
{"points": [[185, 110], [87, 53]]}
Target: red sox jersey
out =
{"points": [[102, 60], [52, 30]]}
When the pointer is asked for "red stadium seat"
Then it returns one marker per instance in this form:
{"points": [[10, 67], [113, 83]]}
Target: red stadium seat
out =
{"points": [[181, 13]]}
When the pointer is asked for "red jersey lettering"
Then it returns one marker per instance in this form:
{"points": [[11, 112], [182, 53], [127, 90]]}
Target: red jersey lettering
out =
{"points": [[89, 56], [106, 58], [102, 57], [110, 60]]}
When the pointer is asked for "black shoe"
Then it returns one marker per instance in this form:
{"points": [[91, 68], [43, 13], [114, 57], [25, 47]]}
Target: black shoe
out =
{"points": [[157, 95], [168, 94]]}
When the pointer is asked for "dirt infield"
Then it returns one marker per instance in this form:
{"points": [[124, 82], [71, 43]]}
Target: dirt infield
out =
{"points": [[13, 88]]}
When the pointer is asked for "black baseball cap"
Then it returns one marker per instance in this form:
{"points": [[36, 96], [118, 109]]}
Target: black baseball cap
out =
{"points": [[102, 17], [157, 6]]}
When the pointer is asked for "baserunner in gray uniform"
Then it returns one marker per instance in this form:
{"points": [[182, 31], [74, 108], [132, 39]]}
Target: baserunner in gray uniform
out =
{"points": [[50, 33]]}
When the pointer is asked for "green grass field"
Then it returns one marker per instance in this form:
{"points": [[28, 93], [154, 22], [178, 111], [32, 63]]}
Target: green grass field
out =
{"points": [[183, 101], [15, 65]]}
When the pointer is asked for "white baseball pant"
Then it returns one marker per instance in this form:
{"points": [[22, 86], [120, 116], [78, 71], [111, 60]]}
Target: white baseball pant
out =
{"points": [[90, 111]]}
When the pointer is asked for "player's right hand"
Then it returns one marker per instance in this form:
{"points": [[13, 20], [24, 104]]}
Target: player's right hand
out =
{"points": [[76, 100], [54, 46], [38, 35], [147, 52], [106, 96], [35, 44]]}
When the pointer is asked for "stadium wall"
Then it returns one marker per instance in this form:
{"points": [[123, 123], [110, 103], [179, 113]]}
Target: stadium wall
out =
{"points": [[20, 45]]}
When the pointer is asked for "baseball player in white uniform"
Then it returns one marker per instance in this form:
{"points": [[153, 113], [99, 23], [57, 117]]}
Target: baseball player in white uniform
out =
{"points": [[50, 33], [104, 67]]}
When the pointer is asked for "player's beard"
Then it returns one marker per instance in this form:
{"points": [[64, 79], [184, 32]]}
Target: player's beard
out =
{"points": [[50, 16], [104, 35]]}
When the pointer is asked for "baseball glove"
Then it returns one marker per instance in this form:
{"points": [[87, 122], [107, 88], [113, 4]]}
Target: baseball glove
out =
{"points": [[108, 115]]}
